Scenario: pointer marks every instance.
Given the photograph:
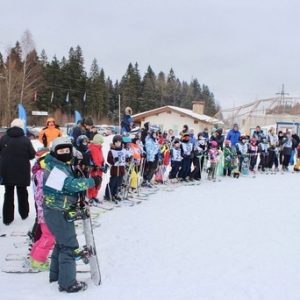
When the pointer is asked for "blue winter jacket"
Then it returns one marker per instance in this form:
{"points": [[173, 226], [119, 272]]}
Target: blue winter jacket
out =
{"points": [[151, 149], [233, 136]]}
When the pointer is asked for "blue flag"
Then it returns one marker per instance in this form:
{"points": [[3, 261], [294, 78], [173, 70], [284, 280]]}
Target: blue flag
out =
{"points": [[22, 115], [77, 116]]}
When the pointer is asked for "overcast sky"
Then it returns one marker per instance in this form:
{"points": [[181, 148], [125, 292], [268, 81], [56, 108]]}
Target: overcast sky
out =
{"points": [[242, 49]]}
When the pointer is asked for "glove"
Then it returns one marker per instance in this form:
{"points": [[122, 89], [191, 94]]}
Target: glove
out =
{"points": [[104, 168], [97, 180]]}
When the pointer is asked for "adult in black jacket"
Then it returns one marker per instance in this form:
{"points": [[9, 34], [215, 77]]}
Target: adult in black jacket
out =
{"points": [[16, 151]]}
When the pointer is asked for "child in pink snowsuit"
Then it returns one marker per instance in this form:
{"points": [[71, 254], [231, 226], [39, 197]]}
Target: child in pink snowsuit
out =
{"points": [[213, 153], [41, 248]]}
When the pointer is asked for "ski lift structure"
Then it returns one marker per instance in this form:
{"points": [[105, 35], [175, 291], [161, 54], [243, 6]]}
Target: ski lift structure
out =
{"points": [[263, 112]]}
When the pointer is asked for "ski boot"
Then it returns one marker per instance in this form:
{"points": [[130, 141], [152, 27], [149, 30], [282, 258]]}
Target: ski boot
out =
{"points": [[75, 287], [37, 265]]}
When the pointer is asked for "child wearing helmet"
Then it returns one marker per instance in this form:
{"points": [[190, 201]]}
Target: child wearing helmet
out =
{"points": [[61, 191], [175, 154], [116, 157]]}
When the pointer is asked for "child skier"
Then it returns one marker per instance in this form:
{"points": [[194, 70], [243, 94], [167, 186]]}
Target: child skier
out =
{"points": [[286, 151], [176, 158], [152, 157], [200, 151], [273, 149], [136, 150], [163, 164], [45, 243], [242, 152], [263, 153], [213, 153], [253, 150], [97, 166], [229, 155], [82, 164], [186, 153], [61, 193], [116, 157]]}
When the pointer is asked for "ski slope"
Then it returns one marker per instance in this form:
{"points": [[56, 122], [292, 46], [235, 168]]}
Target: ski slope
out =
{"points": [[234, 239]]}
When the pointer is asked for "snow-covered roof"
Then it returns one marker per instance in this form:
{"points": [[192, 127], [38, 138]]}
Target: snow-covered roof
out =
{"points": [[188, 112]]}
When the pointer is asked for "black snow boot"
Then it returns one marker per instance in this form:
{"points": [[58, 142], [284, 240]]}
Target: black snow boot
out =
{"points": [[74, 288]]}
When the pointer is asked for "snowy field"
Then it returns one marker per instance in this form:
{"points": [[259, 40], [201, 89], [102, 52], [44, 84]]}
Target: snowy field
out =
{"points": [[234, 239]]}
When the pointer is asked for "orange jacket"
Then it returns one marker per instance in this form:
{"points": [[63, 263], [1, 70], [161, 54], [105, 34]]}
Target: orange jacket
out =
{"points": [[136, 151], [49, 133]]}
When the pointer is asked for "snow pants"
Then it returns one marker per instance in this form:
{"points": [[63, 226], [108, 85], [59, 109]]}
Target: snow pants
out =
{"points": [[113, 186], [41, 248], [93, 192], [185, 168], [63, 265], [273, 159], [175, 169], [198, 167], [150, 168], [9, 206]]}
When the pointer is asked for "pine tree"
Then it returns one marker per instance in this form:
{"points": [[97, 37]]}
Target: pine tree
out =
{"points": [[130, 88], [209, 100], [150, 96], [171, 89], [162, 89], [112, 100]]}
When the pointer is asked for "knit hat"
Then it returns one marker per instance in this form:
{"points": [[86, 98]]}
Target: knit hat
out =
{"points": [[17, 123], [98, 139]]}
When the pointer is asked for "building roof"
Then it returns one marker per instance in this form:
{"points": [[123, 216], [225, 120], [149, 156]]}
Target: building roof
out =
{"points": [[184, 111]]}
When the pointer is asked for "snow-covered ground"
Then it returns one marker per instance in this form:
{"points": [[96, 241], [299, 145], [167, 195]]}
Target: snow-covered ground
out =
{"points": [[234, 239]]}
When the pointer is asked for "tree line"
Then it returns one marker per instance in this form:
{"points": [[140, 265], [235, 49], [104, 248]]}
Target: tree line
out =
{"points": [[62, 86]]}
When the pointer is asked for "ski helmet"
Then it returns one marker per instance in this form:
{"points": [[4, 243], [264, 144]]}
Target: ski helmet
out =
{"points": [[81, 139], [227, 142], [62, 143]]}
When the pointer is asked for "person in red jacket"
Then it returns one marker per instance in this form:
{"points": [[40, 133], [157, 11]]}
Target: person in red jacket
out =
{"points": [[97, 165]]}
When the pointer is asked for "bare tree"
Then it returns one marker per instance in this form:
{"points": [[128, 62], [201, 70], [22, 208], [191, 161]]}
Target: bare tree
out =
{"points": [[28, 46]]}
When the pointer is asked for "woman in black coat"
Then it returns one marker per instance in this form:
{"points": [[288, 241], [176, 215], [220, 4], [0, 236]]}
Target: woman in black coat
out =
{"points": [[16, 151]]}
